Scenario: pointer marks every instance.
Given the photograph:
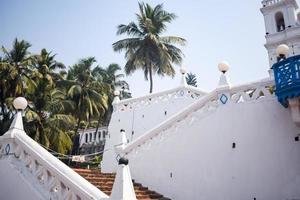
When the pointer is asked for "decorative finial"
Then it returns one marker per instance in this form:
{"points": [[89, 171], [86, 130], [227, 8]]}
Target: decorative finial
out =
{"points": [[183, 72], [223, 67], [20, 103], [122, 144], [117, 98], [282, 51], [116, 93]]}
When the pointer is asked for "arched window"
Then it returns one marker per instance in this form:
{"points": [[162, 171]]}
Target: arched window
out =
{"points": [[95, 136], [280, 24], [91, 137], [86, 138]]}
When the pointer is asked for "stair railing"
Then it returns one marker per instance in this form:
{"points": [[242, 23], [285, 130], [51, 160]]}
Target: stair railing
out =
{"points": [[50, 177], [256, 91], [178, 92]]}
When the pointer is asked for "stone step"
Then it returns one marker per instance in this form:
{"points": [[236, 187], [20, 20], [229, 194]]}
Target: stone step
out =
{"points": [[104, 182]]}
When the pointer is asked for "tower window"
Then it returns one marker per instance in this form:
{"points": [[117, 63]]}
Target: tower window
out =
{"points": [[280, 25]]}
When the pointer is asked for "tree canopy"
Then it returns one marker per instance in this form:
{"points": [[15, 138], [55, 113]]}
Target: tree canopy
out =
{"points": [[60, 101], [146, 48]]}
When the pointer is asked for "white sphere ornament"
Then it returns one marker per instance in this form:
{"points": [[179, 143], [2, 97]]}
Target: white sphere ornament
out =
{"points": [[283, 50], [223, 66], [20, 103], [183, 70], [116, 92]]}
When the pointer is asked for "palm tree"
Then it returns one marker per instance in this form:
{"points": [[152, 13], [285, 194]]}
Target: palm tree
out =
{"points": [[88, 102], [16, 68], [191, 79], [51, 127], [39, 113], [15, 78], [82, 90], [46, 76], [109, 79], [145, 48]]}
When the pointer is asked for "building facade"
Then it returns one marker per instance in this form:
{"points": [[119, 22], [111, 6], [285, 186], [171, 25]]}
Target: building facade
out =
{"points": [[90, 141]]}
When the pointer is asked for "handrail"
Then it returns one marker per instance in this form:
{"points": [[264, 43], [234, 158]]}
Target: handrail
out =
{"points": [[194, 89], [52, 174], [210, 100]]}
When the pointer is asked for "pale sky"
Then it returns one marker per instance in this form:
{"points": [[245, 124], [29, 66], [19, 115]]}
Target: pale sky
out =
{"points": [[231, 30]]}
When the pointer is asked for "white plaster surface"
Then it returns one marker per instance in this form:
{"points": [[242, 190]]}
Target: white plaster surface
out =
{"points": [[197, 161], [123, 188], [141, 118], [13, 185]]}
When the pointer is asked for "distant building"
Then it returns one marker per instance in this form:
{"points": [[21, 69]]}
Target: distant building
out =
{"points": [[90, 141]]}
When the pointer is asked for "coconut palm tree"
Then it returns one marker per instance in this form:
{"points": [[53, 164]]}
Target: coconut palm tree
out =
{"points": [[82, 90], [46, 76], [51, 127], [16, 69], [146, 48], [110, 80], [191, 79], [88, 102], [39, 113], [15, 78]]}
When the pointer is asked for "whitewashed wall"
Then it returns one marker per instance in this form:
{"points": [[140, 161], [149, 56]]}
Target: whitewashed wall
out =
{"points": [[30, 171], [136, 116], [14, 186], [195, 159]]}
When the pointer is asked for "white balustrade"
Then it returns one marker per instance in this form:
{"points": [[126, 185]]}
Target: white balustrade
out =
{"points": [[257, 91], [179, 92], [52, 178], [270, 2]]}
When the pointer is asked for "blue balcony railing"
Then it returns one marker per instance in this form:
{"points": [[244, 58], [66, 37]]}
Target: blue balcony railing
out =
{"points": [[287, 79]]}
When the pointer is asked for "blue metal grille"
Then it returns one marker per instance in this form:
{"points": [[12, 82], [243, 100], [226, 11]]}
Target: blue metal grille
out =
{"points": [[287, 79]]}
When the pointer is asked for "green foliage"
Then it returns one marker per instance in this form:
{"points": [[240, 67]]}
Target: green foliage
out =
{"points": [[146, 48], [191, 79], [60, 102]]}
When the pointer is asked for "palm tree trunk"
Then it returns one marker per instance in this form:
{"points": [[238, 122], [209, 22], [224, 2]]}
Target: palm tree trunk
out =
{"points": [[151, 78], [77, 126], [75, 147], [98, 123]]}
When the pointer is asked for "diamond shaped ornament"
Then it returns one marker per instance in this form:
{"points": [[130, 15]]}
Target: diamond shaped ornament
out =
{"points": [[223, 99]]}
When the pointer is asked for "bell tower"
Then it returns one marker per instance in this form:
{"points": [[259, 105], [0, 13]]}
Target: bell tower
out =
{"points": [[282, 23]]}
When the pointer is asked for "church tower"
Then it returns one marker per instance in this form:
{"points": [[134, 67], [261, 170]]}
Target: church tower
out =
{"points": [[282, 23]]}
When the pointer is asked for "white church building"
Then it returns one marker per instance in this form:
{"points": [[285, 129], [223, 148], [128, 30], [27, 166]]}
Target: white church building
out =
{"points": [[237, 142]]}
